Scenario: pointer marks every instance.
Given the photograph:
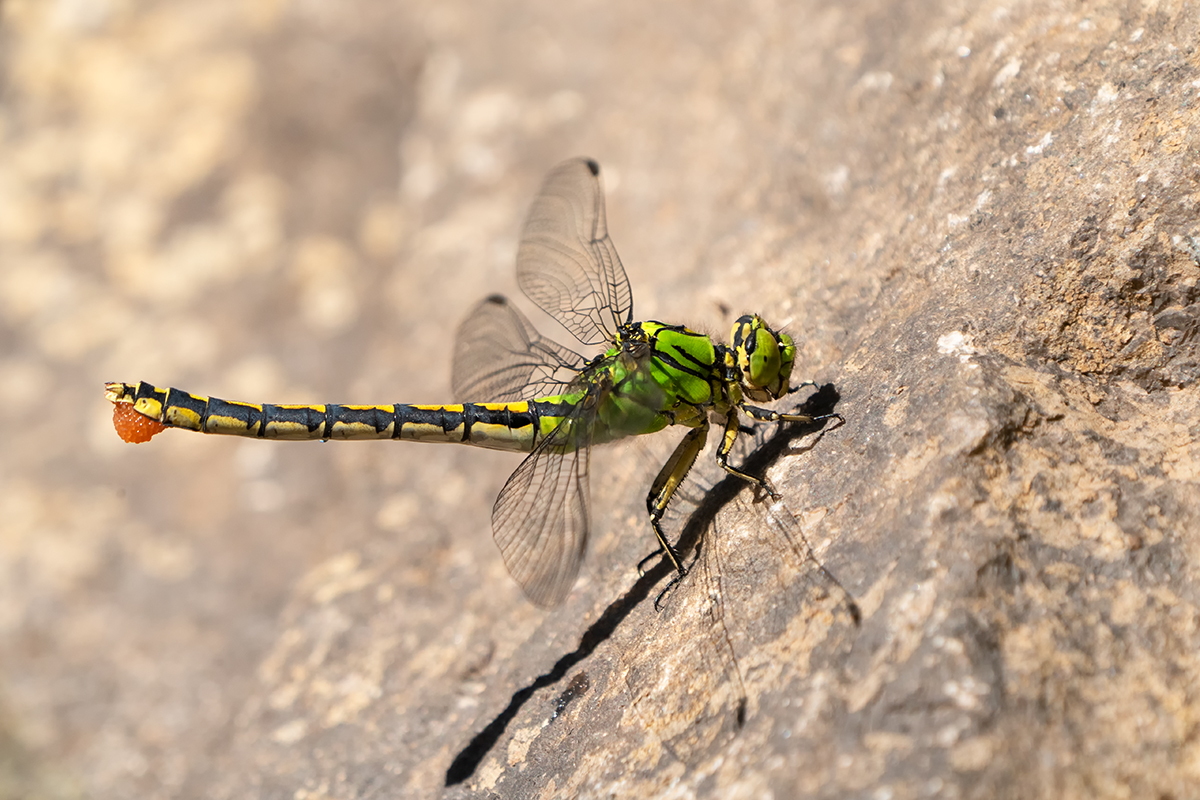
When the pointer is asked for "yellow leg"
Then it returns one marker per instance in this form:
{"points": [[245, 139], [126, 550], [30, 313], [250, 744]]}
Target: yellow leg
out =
{"points": [[732, 428], [767, 415], [669, 477]]}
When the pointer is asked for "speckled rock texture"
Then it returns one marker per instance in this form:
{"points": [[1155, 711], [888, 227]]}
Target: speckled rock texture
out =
{"points": [[981, 221]]}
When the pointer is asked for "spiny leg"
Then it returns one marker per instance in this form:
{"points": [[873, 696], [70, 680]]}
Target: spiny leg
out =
{"points": [[732, 428], [767, 415], [663, 489]]}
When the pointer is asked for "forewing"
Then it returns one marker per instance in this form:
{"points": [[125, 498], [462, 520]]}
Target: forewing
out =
{"points": [[540, 519], [566, 263], [500, 357]]}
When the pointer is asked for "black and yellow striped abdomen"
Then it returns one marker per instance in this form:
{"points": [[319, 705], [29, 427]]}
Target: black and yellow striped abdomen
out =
{"points": [[516, 426]]}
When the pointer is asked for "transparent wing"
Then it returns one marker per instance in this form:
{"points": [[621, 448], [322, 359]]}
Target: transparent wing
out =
{"points": [[566, 263], [540, 519], [500, 357], [688, 689], [754, 584]]}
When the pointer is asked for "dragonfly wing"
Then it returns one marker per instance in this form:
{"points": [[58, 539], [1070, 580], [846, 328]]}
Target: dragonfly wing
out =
{"points": [[541, 517], [566, 262], [500, 357]]}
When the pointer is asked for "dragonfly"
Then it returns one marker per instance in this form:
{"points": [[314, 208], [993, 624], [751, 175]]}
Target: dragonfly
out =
{"points": [[520, 391]]}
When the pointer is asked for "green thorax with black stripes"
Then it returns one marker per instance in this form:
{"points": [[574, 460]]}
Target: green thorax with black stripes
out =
{"points": [[653, 376]]}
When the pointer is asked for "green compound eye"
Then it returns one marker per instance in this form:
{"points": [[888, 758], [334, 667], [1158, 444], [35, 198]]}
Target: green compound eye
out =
{"points": [[763, 357]]}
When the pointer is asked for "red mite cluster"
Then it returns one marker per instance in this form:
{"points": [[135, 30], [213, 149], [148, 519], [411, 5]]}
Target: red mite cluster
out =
{"points": [[134, 427]]}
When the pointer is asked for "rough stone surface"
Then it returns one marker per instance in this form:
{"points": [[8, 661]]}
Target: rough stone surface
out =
{"points": [[978, 219]]}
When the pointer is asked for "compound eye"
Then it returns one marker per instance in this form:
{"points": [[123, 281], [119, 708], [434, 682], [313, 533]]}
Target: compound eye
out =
{"points": [[762, 365], [763, 357]]}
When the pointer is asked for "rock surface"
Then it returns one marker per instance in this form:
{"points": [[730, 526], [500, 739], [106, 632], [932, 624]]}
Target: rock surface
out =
{"points": [[978, 219]]}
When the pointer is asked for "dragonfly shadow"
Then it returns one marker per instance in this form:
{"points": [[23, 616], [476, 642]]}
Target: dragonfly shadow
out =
{"points": [[821, 402]]}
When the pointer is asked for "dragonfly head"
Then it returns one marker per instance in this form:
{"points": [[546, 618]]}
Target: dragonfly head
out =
{"points": [[763, 358]]}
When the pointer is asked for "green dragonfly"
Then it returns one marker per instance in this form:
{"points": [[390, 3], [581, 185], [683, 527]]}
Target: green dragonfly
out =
{"points": [[524, 392]]}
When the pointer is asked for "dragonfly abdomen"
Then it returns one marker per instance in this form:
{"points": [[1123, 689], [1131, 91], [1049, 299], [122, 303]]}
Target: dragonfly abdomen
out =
{"points": [[499, 426]]}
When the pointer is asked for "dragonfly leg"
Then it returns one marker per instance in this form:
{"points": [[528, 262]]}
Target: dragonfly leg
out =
{"points": [[767, 415], [732, 428], [671, 584], [669, 477]]}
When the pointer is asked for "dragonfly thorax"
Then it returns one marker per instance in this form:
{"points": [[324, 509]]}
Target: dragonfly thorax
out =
{"points": [[761, 357], [633, 340]]}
